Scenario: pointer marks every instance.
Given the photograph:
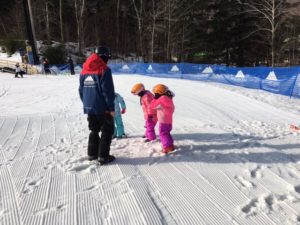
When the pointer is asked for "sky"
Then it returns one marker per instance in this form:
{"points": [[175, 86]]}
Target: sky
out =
{"points": [[237, 160]]}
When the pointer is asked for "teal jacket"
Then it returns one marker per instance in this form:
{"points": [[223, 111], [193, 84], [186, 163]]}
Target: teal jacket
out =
{"points": [[119, 104]]}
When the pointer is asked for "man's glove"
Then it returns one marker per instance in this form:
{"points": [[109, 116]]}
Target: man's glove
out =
{"points": [[111, 113], [123, 111]]}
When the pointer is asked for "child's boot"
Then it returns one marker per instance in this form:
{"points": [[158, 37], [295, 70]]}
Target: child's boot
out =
{"points": [[168, 149]]}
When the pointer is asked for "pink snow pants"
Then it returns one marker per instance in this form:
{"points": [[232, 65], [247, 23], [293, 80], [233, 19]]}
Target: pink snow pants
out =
{"points": [[150, 131], [165, 135]]}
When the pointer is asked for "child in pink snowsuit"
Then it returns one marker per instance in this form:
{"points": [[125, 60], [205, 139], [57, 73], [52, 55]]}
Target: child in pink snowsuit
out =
{"points": [[146, 98], [164, 106]]}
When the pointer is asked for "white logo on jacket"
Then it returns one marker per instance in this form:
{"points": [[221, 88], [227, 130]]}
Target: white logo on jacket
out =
{"points": [[89, 82]]}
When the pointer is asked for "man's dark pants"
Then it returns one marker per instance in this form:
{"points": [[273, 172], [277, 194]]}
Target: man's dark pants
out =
{"points": [[104, 123]]}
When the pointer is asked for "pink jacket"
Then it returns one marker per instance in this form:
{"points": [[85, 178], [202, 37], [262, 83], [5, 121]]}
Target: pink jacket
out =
{"points": [[146, 100], [164, 107]]}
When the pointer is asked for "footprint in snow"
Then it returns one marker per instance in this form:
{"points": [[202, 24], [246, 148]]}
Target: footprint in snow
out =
{"points": [[256, 173], [297, 189], [31, 185], [266, 203], [83, 168], [243, 182]]}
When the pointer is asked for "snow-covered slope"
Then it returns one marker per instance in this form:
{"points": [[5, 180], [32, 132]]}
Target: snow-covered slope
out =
{"points": [[14, 58], [237, 161]]}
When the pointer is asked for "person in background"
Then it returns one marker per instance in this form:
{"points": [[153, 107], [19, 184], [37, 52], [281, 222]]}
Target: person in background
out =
{"points": [[164, 106], [97, 94], [46, 66], [18, 71], [120, 108], [149, 115], [71, 66]]}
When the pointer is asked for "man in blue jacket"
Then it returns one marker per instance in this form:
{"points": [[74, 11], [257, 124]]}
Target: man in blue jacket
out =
{"points": [[97, 94]]}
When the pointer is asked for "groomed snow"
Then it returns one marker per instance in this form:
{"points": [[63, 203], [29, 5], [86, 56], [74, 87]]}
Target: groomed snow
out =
{"points": [[237, 161]]}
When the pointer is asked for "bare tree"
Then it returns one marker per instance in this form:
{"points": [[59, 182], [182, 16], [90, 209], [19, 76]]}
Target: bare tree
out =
{"points": [[47, 21], [61, 21], [176, 19], [157, 11], [162, 30], [272, 12], [118, 23], [168, 20], [289, 42], [139, 16], [3, 27], [79, 13]]}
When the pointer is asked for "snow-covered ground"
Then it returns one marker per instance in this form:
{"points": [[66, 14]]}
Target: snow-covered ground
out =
{"points": [[13, 58], [237, 161]]}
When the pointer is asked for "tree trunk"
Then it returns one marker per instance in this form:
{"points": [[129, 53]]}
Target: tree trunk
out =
{"points": [[47, 23], [139, 19], [152, 40], [117, 23], [227, 57], [79, 10], [4, 28], [182, 42], [272, 11], [293, 61], [61, 21], [273, 33], [169, 31], [152, 33]]}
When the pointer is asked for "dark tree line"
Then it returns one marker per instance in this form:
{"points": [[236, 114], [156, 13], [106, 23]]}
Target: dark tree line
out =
{"points": [[231, 32]]}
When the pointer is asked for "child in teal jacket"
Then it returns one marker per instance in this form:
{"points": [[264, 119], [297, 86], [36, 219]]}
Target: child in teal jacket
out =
{"points": [[120, 108]]}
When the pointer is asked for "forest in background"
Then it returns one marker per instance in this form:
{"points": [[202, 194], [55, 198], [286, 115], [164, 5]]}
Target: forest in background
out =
{"points": [[230, 32]]}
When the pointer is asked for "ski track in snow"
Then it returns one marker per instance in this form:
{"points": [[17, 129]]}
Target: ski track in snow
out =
{"points": [[236, 160]]}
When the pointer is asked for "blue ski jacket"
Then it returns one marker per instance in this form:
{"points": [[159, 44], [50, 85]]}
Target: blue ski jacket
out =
{"points": [[96, 87]]}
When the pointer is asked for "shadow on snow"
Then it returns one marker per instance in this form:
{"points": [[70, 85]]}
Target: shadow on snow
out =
{"points": [[221, 148]]}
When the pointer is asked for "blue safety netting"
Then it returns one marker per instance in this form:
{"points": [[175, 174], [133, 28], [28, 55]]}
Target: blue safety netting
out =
{"points": [[281, 80]]}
